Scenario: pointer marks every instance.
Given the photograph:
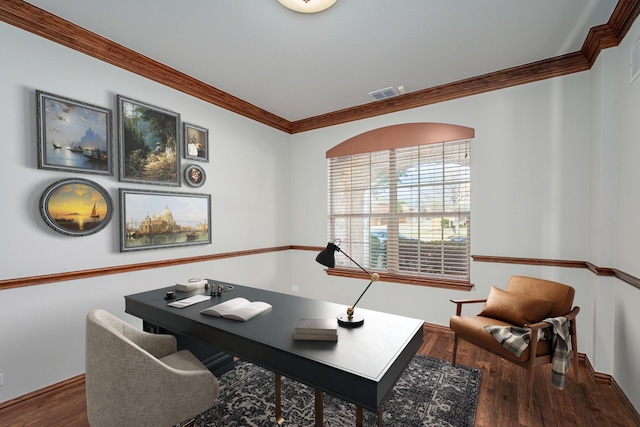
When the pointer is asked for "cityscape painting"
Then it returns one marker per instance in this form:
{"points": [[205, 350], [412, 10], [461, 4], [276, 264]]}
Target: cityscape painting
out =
{"points": [[154, 219], [73, 136]]}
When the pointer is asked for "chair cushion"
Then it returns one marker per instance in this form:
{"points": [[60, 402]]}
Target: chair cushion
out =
{"points": [[544, 289], [183, 360], [514, 308], [471, 329]]}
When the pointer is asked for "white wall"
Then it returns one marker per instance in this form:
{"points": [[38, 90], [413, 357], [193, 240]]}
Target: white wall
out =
{"points": [[544, 172], [626, 300], [604, 151], [530, 192], [42, 327]]}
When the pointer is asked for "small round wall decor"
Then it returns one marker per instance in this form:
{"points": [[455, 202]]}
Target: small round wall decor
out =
{"points": [[194, 175], [76, 207]]}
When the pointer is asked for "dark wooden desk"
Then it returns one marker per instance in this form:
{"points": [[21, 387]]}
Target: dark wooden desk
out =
{"points": [[361, 367]]}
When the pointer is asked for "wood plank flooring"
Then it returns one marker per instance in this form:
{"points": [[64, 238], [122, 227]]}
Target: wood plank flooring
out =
{"points": [[585, 402]]}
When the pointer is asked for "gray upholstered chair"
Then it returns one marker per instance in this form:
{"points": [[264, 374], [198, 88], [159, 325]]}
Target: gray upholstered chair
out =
{"points": [[135, 378]]}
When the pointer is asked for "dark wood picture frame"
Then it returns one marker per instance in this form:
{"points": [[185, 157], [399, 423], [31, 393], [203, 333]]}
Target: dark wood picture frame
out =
{"points": [[149, 142], [73, 136], [162, 219], [76, 207]]}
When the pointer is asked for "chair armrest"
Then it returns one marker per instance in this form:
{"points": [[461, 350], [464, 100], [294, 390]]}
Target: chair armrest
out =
{"points": [[460, 302], [541, 325], [467, 301], [573, 313], [159, 345]]}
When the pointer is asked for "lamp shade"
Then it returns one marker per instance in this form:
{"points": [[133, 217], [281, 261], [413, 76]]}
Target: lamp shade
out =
{"points": [[327, 257]]}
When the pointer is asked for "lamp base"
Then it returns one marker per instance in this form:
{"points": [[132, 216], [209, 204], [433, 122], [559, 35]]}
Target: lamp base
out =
{"points": [[355, 321]]}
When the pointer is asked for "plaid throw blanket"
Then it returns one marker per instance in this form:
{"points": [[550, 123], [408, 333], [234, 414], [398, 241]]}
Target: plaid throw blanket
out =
{"points": [[516, 339]]}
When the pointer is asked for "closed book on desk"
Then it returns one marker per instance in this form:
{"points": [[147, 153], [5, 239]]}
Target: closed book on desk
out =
{"points": [[299, 336], [240, 309], [317, 326]]}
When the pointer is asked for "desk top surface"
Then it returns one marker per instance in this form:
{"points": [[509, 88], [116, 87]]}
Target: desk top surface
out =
{"points": [[365, 350], [376, 352]]}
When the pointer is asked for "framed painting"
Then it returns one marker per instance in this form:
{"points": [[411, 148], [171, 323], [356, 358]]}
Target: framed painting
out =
{"points": [[73, 136], [76, 207], [149, 143], [194, 175], [196, 143], [156, 219]]}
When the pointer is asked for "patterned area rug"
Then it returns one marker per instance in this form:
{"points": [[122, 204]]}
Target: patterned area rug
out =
{"points": [[429, 393]]}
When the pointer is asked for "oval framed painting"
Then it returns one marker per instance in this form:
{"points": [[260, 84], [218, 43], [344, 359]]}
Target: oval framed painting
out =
{"points": [[76, 207]]}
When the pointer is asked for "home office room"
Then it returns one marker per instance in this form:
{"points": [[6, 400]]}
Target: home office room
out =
{"points": [[222, 169]]}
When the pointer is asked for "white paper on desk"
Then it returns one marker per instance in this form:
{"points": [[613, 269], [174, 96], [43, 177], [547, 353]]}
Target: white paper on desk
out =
{"points": [[189, 301]]}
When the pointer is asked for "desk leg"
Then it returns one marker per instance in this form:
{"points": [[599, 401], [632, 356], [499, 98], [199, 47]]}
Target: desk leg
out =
{"points": [[359, 416], [279, 418], [319, 408]]}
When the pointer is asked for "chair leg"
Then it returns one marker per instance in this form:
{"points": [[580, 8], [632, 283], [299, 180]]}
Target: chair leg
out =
{"points": [[574, 349], [455, 350], [533, 348], [528, 394]]}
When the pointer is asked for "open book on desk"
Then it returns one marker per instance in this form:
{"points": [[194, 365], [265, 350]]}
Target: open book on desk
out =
{"points": [[237, 309]]}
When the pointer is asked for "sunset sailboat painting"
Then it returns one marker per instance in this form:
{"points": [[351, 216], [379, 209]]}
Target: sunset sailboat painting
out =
{"points": [[74, 206]]}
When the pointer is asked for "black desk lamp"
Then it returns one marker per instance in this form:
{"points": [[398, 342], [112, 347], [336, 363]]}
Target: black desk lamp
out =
{"points": [[328, 259]]}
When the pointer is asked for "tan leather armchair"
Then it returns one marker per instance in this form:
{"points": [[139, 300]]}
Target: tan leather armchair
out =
{"points": [[134, 378], [526, 302]]}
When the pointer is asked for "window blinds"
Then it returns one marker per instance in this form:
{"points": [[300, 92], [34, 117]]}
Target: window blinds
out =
{"points": [[404, 210]]}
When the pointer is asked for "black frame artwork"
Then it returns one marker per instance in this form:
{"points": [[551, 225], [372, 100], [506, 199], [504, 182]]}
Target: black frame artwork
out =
{"points": [[196, 143], [149, 140], [162, 219], [76, 207], [194, 175], [73, 136]]}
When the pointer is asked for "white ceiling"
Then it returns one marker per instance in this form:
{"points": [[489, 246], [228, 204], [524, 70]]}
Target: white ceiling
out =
{"points": [[302, 65]]}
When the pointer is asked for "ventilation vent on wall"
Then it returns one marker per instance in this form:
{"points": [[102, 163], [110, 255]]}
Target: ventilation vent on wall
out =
{"points": [[383, 93]]}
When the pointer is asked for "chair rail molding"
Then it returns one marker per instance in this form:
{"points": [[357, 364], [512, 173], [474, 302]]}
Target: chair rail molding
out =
{"points": [[126, 268]]}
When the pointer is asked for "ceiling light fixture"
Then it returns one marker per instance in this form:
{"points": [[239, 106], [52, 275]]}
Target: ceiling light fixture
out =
{"points": [[307, 6]]}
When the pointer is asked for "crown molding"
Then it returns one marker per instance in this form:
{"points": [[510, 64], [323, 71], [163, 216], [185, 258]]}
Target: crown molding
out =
{"points": [[540, 70], [37, 21]]}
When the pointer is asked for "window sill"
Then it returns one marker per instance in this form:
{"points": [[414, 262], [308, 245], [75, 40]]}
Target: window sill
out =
{"points": [[404, 279]]}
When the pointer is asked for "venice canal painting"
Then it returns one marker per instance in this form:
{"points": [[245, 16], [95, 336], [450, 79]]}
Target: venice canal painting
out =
{"points": [[73, 136], [151, 220]]}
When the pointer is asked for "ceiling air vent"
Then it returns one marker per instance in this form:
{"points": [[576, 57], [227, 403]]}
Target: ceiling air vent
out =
{"points": [[383, 93]]}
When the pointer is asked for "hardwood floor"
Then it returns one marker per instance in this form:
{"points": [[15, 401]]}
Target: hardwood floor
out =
{"points": [[585, 403]]}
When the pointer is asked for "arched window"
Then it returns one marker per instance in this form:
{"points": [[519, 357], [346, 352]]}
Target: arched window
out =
{"points": [[399, 201]]}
